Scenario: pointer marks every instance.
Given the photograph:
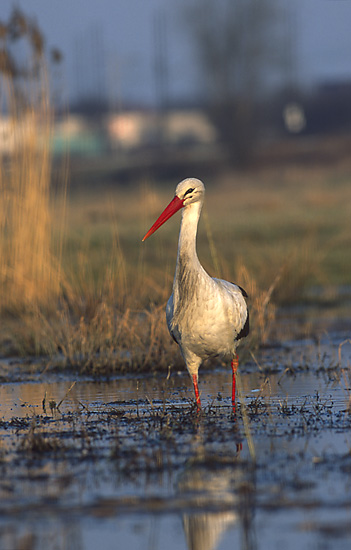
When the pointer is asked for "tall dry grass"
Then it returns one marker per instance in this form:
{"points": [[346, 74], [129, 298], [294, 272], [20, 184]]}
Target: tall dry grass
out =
{"points": [[30, 274]]}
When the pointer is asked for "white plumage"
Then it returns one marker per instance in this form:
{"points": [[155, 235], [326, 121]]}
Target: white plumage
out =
{"points": [[207, 317]]}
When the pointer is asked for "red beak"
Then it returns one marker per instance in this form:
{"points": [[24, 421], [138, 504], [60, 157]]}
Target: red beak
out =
{"points": [[173, 207]]}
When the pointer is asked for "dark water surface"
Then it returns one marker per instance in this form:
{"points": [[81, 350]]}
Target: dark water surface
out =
{"points": [[128, 463]]}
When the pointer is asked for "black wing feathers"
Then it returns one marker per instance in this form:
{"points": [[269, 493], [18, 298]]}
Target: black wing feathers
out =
{"points": [[243, 291], [245, 330]]}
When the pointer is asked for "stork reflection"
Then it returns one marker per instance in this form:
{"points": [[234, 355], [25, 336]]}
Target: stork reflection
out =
{"points": [[219, 493]]}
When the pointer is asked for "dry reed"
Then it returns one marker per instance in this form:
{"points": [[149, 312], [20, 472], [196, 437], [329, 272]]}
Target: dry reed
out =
{"points": [[29, 273]]}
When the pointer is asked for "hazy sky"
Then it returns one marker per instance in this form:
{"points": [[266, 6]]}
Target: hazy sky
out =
{"points": [[121, 33]]}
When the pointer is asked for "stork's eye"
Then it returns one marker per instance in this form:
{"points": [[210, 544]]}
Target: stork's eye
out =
{"points": [[188, 191]]}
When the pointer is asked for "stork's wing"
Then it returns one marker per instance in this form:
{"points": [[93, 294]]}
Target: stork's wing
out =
{"points": [[238, 295]]}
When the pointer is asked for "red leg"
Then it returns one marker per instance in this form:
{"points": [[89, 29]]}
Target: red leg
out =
{"points": [[235, 364], [196, 390]]}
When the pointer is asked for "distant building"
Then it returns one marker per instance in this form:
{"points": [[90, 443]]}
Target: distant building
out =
{"points": [[136, 129], [75, 134]]}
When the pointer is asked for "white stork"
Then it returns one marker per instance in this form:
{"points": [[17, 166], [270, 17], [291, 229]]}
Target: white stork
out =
{"points": [[207, 317]]}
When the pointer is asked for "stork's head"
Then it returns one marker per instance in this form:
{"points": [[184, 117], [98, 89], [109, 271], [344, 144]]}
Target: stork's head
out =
{"points": [[190, 190], [187, 192]]}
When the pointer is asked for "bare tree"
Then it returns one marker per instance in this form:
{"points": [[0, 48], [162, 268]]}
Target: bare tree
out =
{"points": [[237, 44]]}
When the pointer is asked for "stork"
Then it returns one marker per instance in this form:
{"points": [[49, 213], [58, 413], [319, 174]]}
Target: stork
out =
{"points": [[207, 317]]}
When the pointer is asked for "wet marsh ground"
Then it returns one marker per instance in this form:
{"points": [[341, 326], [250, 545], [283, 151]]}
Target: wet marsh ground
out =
{"points": [[100, 442], [127, 461]]}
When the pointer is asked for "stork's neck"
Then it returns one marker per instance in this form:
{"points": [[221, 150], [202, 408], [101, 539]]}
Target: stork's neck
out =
{"points": [[187, 259], [188, 231]]}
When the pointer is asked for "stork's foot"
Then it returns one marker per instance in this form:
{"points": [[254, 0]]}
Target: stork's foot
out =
{"points": [[196, 391], [235, 365]]}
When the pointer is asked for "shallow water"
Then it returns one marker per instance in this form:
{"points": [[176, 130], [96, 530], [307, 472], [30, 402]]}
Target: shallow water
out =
{"points": [[127, 462], [23, 400]]}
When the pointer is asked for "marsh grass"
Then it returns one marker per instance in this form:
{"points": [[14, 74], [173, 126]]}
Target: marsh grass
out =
{"points": [[77, 283], [112, 341], [108, 314]]}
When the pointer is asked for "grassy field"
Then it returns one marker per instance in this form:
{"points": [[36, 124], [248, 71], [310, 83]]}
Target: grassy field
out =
{"points": [[284, 222], [77, 280]]}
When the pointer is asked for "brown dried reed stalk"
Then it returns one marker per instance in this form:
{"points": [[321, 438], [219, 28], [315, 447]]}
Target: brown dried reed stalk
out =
{"points": [[30, 276]]}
